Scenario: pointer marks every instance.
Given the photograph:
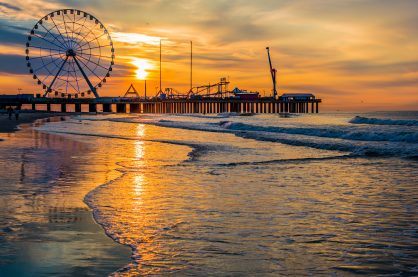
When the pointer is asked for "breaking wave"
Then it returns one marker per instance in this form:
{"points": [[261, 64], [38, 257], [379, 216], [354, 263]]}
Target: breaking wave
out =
{"points": [[360, 148], [341, 132], [380, 121], [397, 141], [341, 138]]}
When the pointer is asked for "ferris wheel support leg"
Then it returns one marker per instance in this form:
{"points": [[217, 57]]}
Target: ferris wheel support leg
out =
{"points": [[58, 73], [93, 89]]}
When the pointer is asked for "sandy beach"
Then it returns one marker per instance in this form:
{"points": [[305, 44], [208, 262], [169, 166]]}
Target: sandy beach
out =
{"points": [[40, 232], [11, 125]]}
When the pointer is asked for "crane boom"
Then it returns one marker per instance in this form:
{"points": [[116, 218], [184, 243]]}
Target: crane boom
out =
{"points": [[273, 73]]}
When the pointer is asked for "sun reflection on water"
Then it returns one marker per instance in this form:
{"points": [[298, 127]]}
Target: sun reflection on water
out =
{"points": [[139, 156]]}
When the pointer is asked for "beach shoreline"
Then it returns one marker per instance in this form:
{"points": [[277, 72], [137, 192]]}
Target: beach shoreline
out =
{"points": [[12, 125], [69, 242]]}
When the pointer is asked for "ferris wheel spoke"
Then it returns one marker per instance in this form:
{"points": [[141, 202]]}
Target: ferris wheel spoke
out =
{"points": [[45, 65], [78, 32], [67, 79], [86, 78], [71, 32], [66, 31], [73, 25], [49, 71], [69, 82], [46, 48], [59, 31], [66, 83], [40, 57], [100, 46], [59, 71], [94, 55], [55, 37], [86, 35], [47, 76], [75, 75], [69, 18], [94, 63], [35, 35], [92, 40], [60, 84], [86, 66], [74, 22]]}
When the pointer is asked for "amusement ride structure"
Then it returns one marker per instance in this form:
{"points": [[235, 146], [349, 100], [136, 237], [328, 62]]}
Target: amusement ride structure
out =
{"points": [[70, 53]]}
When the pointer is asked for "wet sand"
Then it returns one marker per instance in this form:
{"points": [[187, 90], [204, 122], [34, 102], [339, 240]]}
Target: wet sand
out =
{"points": [[10, 125], [38, 237]]}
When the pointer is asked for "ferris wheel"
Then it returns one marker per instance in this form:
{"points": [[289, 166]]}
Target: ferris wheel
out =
{"points": [[70, 53]]}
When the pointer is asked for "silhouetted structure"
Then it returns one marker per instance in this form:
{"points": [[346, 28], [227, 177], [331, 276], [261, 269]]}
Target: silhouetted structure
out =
{"points": [[287, 103]]}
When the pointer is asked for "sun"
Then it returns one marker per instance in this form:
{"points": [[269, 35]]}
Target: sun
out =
{"points": [[142, 66]]}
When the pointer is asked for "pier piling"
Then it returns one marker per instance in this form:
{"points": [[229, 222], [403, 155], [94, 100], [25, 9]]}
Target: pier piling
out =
{"points": [[77, 107], [92, 108]]}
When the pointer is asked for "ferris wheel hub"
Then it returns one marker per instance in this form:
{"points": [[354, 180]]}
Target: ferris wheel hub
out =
{"points": [[71, 53]]}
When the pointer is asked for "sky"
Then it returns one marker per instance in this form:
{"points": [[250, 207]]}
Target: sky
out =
{"points": [[353, 54]]}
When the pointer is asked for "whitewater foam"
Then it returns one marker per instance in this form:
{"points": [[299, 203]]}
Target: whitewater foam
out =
{"points": [[344, 132], [380, 121], [399, 138]]}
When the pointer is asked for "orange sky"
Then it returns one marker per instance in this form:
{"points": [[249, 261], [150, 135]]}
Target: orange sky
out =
{"points": [[355, 55]]}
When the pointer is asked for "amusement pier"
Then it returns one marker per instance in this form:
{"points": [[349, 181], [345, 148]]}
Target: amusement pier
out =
{"points": [[156, 105], [72, 66]]}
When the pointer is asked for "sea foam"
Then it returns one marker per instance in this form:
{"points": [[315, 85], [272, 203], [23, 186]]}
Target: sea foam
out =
{"points": [[381, 121]]}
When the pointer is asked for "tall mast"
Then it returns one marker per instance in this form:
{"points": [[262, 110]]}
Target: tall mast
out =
{"points": [[145, 88], [160, 65], [191, 65]]}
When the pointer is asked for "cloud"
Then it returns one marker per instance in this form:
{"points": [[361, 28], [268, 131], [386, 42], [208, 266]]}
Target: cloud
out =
{"points": [[12, 35], [394, 83], [371, 66], [334, 48], [135, 38], [13, 64], [10, 7], [322, 90]]}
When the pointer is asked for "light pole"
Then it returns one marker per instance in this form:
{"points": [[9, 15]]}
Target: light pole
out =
{"points": [[145, 88]]}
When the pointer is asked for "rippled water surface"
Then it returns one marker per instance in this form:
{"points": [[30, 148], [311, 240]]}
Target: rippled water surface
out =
{"points": [[234, 195]]}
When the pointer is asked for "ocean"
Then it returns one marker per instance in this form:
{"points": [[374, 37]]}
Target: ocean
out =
{"points": [[228, 194]]}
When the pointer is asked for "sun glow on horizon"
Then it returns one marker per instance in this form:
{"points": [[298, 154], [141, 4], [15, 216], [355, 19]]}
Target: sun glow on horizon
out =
{"points": [[142, 65]]}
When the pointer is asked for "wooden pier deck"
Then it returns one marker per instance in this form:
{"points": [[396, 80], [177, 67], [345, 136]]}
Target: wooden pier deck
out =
{"points": [[175, 106]]}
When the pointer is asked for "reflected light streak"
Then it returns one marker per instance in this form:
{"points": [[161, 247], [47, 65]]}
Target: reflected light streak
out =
{"points": [[139, 156]]}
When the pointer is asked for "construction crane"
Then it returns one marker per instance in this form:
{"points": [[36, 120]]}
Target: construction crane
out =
{"points": [[273, 73]]}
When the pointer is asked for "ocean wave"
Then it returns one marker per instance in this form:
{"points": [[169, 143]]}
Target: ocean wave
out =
{"points": [[341, 132], [381, 121], [338, 142], [358, 148], [336, 138]]}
